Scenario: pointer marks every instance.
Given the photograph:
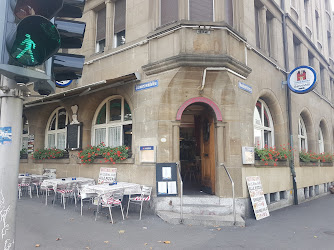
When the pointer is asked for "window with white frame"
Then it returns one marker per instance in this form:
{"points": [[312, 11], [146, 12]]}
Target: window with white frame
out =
{"points": [[25, 133], [112, 123], [201, 10], [101, 30], [263, 125], [302, 135], [56, 129], [119, 22], [321, 141]]}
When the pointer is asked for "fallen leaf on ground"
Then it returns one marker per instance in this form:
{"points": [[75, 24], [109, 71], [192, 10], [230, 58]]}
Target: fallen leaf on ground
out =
{"points": [[144, 227], [218, 229], [167, 242], [88, 248], [315, 236], [145, 244], [71, 218], [106, 241], [151, 247], [58, 239], [37, 245], [159, 241], [216, 226], [121, 231]]}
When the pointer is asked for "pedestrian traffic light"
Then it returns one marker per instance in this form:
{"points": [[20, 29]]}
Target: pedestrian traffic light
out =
{"points": [[35, 38]]}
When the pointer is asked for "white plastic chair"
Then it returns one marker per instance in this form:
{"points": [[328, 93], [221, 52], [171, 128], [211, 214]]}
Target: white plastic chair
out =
{"points": [[37, 182], [66, 191], [24, 183], [84, 196], [110, 200], [139, 199]]}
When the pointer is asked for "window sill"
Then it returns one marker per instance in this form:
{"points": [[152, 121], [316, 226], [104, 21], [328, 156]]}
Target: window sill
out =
{"points": [[308, 164], [57, 161], [326, 164]]}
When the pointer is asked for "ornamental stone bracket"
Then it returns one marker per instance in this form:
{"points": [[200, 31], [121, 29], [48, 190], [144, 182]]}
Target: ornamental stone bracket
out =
{"points": [[193, 60]]}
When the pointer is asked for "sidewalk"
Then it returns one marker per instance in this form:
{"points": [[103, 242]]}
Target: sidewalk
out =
{"points": [[306, 226]]}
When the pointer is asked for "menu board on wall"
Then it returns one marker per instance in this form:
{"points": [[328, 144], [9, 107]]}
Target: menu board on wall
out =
{"points": [[166, 177], [107, 175], [256, 194]]}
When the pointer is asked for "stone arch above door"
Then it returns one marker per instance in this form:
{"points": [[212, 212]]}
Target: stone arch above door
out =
{"points": [[205, 100]]}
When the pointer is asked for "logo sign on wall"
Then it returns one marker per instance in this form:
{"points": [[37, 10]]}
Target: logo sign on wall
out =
{"points": [[63, 84], [302, 79]]}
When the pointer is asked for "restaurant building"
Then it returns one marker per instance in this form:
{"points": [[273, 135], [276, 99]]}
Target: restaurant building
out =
{"points": [[195, 81]]}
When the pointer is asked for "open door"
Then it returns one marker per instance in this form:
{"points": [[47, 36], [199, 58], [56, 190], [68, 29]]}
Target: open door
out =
{"points": [[208, 168]]}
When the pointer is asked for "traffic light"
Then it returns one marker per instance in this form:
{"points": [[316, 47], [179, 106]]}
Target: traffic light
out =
{"points": [[35, 38]]}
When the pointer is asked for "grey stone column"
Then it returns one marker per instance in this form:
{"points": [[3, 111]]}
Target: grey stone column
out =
{"points": [[110, 6]]}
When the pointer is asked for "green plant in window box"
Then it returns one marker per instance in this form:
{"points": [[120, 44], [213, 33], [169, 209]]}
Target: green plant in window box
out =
{"points": [[305, 156], [48, 153], [271, 154], [24, 153], [326, 157], [113, 155]]}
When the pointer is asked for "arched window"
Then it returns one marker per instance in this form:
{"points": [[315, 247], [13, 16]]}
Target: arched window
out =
{"points": [[321, 141], [263, 126], [56, 129], [302, 135], [112, 123]]}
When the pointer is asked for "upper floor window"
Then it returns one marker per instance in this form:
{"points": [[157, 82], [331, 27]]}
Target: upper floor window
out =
{"points": [[101, 30], [296, 51], [201, 10], [56, 129], [169, 11], [317, 23], [119, 22], [270, 32], [229, 12], [321, 141], [112, 123], [257, 25], [306, 11], [302, 135], [263, 126]]}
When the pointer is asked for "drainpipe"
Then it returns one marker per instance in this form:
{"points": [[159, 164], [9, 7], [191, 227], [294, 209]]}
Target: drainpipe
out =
{"points": [[288, 95]]}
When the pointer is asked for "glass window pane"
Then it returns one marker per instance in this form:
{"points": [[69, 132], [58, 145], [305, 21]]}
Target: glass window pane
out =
{"points": [[115, 109], [127, 112], [303, 144], [257, 115], [101, 117], [61, 140], [257, 138], [267, 138], [115, 136], [25, 142], [51, 141], [53, 123], [100, 136], [62, 119], [266, 118], [127, 135]]}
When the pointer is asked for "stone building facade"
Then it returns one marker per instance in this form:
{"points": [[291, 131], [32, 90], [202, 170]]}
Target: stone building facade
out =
{"points": [[214, 73]]}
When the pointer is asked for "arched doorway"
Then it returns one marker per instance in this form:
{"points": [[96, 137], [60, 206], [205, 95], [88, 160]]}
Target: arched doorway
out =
{"points": [[197, 145]]}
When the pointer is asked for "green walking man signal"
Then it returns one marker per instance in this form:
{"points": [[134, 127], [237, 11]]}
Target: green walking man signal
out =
{"points": [[29, 46]]}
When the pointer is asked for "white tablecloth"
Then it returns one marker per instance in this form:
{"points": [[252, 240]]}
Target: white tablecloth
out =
{"points": [[54, 182], [129, 188]]}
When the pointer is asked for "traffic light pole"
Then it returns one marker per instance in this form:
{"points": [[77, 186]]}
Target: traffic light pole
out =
{"points": [[10, 139]]}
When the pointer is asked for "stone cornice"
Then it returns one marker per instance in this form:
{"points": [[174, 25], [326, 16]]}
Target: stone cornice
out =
{"points": [[197, 60]]}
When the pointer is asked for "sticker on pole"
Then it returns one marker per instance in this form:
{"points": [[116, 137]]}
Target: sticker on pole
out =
{"points": [[5, 135], [302, 79]]}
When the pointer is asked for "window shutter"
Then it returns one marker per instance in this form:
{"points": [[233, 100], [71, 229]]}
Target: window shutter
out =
{"points": [[201, 10], [169, 11], [101, 25], [119, 23]]}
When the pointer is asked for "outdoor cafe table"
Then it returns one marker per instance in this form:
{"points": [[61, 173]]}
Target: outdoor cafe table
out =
{"points": [[53, 183], [33, 176], [106, 188]]}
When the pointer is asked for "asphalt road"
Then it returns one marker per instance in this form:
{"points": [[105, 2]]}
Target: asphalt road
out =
{"points": [[306, 226]]}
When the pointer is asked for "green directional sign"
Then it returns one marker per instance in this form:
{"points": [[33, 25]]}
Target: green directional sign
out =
{"points": [[35, 40]]}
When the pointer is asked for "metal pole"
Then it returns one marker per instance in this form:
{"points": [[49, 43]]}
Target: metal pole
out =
{"points": [[11, 122], [288, 96]]}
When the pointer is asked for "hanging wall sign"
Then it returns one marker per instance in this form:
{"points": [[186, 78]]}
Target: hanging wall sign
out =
{"points": [[302, 79]]}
